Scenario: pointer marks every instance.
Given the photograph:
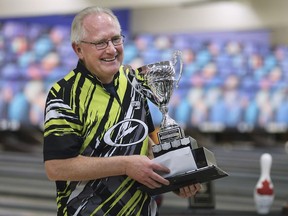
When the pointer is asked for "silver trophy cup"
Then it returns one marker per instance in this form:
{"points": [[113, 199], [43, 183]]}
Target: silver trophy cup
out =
{"points": [[157, 81]]}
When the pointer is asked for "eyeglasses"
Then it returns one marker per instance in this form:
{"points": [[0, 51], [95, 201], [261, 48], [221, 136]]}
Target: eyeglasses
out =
{"points": [[100, 45]]}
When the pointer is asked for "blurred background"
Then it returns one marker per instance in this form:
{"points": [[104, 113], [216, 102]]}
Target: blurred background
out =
{"points": [[232, 97]]}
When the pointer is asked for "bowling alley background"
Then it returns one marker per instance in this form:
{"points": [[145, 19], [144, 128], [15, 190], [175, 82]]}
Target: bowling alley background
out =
{"points": [[232, 98]]}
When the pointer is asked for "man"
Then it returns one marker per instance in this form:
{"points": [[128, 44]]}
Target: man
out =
{"points": [[96, 143]]}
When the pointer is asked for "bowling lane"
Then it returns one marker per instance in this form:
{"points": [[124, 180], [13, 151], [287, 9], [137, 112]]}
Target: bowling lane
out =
{"points": [[235, 193]]}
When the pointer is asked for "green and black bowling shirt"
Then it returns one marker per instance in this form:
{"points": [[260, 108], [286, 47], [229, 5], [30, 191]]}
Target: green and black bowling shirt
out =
{"points": [[83, 116]]}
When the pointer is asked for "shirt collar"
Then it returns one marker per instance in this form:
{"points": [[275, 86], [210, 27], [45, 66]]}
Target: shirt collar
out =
{"points": [[82, 69]]}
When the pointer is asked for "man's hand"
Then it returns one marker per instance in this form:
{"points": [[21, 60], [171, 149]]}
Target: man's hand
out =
{"points": [[188, 191], [144, 170]]}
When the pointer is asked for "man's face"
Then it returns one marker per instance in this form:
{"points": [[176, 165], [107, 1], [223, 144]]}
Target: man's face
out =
{"points": [[102, 63]]}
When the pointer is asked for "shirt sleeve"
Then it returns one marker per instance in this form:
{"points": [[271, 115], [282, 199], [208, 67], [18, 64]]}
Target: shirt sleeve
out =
{"points": [[62, 128]]}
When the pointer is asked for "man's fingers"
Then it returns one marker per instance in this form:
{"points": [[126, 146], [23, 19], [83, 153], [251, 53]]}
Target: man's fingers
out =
{"points": [[158, 178], [198, 186], [152, 183], [161, 168], [190, 190]]}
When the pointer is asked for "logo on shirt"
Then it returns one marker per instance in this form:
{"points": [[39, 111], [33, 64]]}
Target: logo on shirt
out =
{"points": [[129, 132]]}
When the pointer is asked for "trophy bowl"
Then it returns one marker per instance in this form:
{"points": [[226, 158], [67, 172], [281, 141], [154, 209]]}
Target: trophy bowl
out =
{"points": [[157, 83]]}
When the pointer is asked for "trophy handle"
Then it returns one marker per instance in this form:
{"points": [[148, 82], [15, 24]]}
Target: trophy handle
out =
{"points": [[132, 73], [178, 55]]}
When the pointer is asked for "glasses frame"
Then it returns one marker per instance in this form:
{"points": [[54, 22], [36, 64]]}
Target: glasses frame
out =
{"points": [[96, 44]]}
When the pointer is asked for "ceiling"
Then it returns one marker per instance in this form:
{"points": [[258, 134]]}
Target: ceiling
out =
{"points": [[8, 8]]}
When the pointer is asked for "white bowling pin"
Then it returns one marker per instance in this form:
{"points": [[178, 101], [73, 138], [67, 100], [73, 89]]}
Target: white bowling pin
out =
{"points": [[264, 189]]}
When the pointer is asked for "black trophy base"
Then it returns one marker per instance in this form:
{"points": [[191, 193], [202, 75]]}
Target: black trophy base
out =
{"points": [[201, 175], [206, 168], [203, 157]]}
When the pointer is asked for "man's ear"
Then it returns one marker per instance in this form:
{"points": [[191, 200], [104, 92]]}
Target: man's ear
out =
{"points": [[77, 49]]}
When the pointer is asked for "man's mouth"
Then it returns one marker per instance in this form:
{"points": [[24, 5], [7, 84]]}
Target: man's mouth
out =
{"points": [[109, 60]]}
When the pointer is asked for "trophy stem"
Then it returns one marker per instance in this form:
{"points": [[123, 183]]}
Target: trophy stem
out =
{"points": [[167, 121]]}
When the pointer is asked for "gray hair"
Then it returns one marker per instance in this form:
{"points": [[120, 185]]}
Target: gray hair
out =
{"points": [[77, 30]]}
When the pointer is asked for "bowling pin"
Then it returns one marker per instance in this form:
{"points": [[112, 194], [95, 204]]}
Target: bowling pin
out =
{"points": [[264, 189]]}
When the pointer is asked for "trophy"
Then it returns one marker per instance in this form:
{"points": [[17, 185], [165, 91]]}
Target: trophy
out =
{"points": [[156, 82], [159, 80]]}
